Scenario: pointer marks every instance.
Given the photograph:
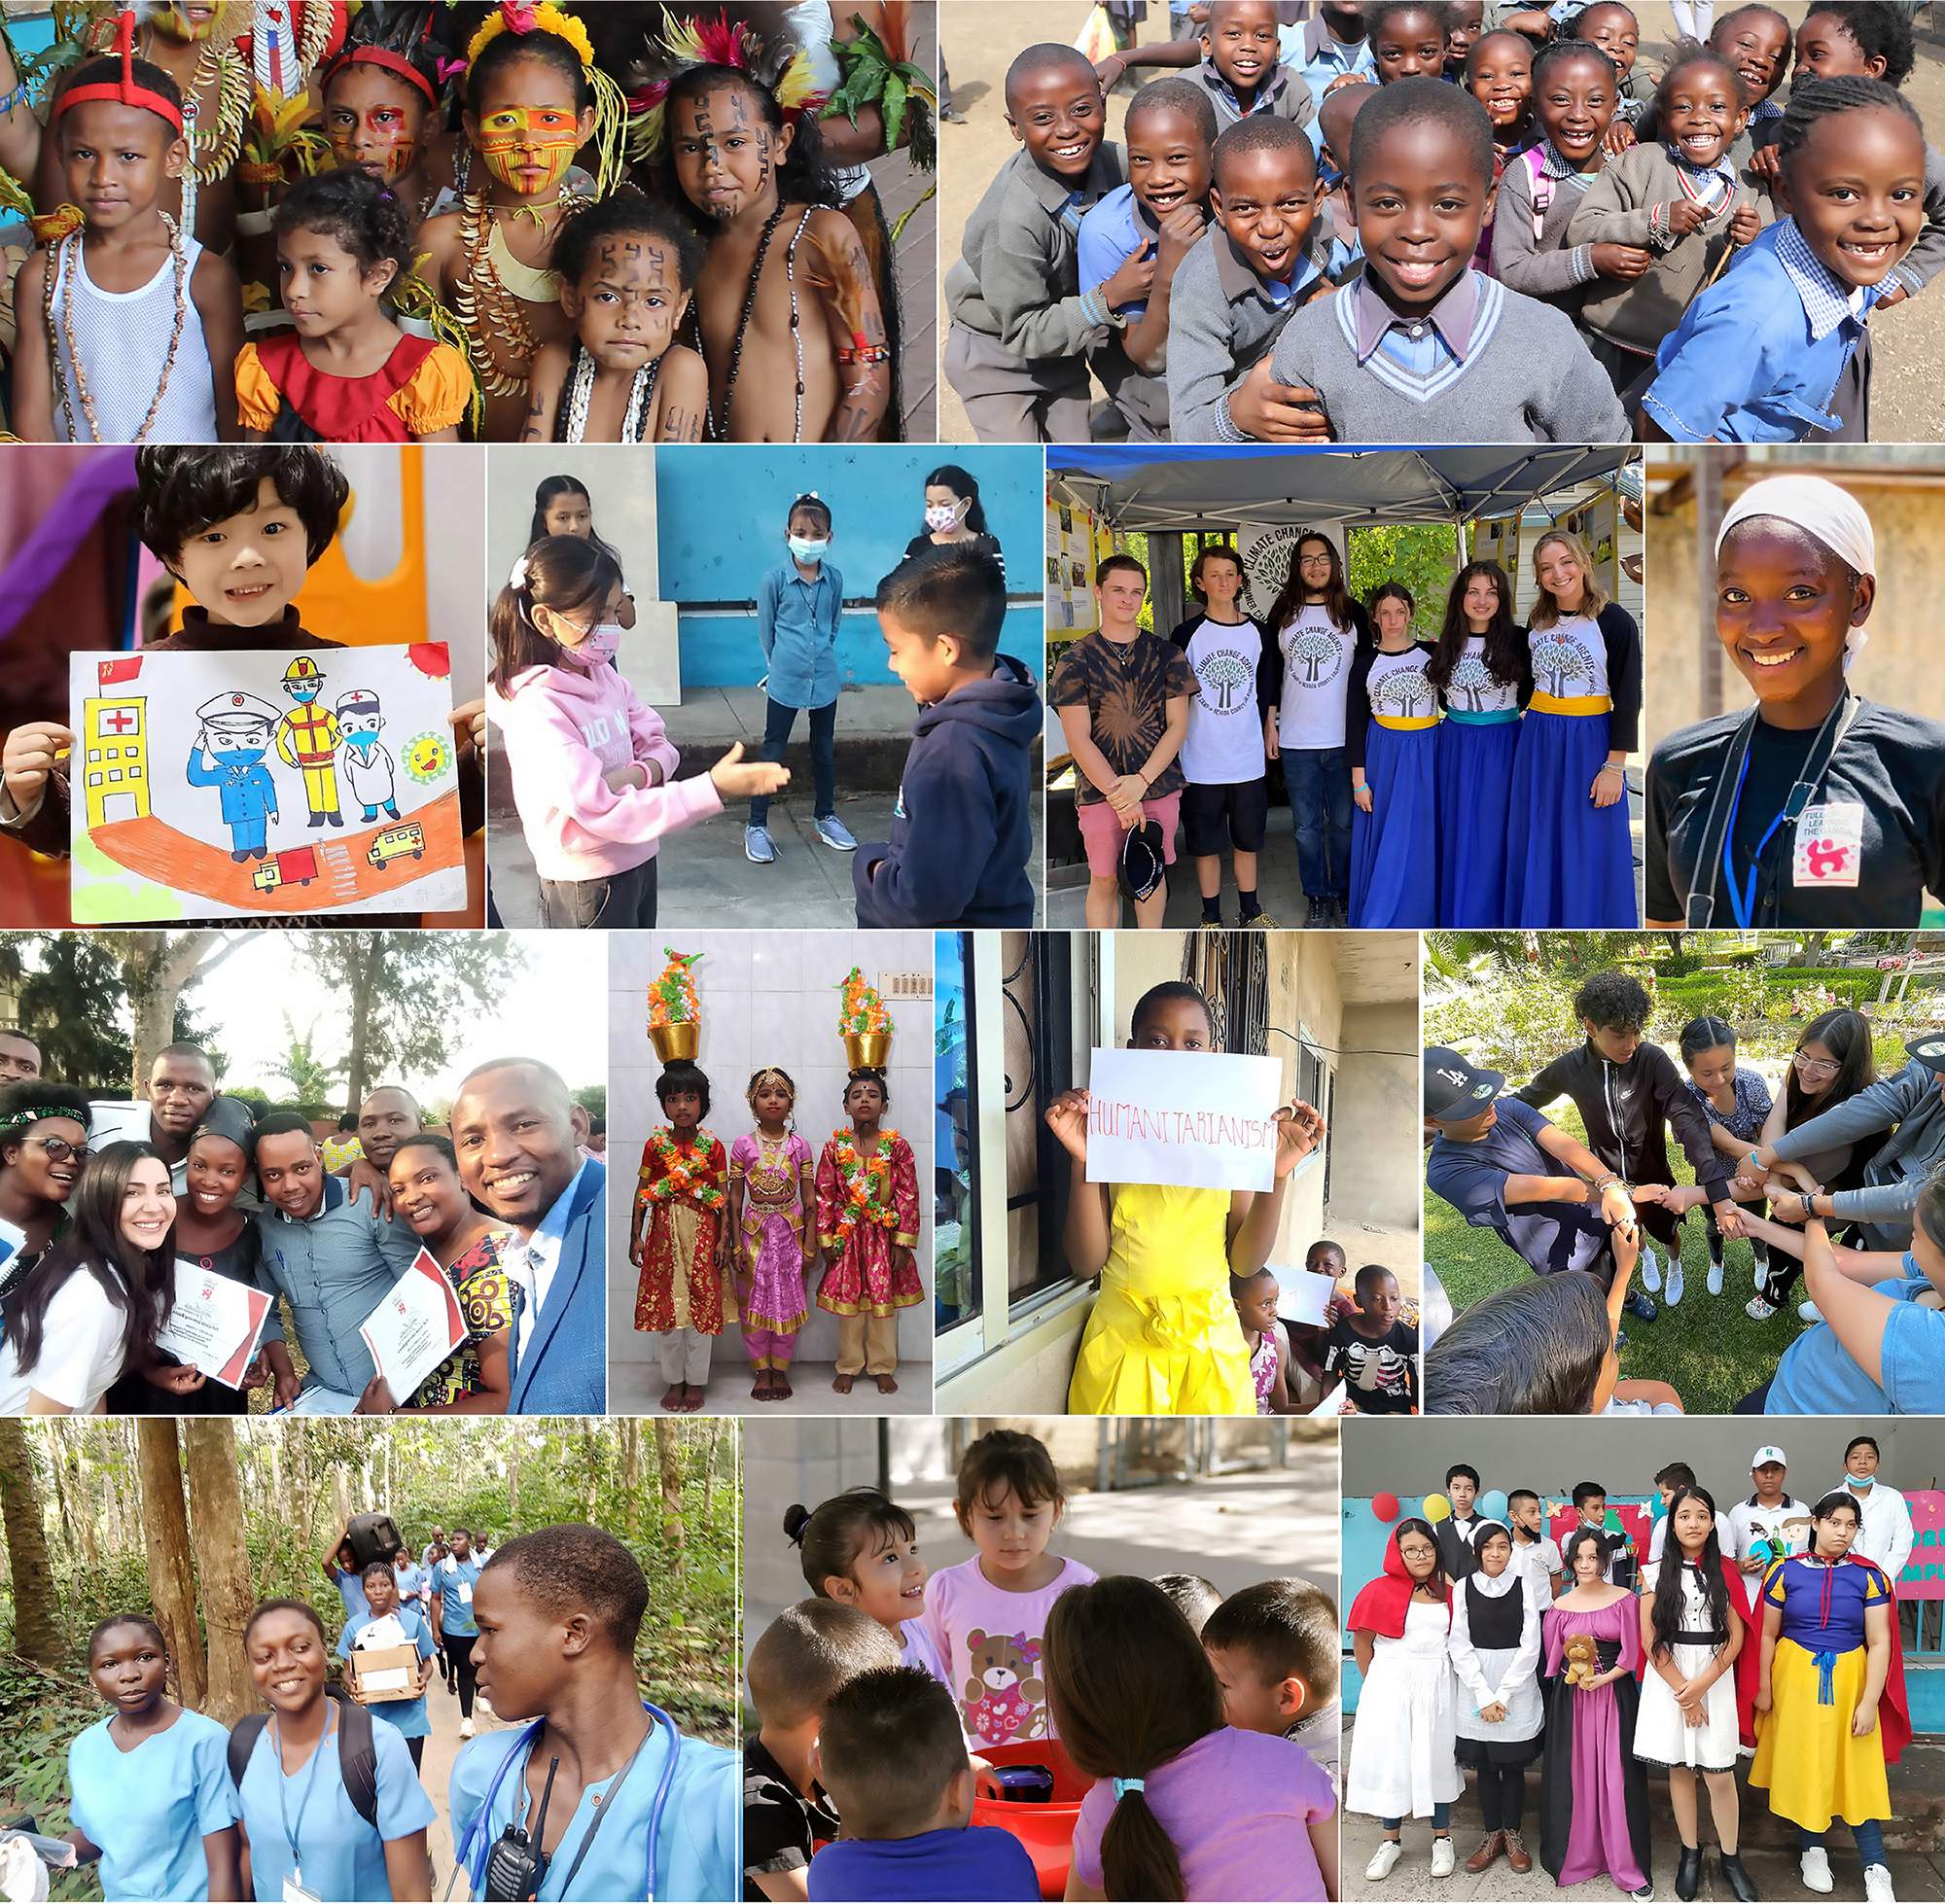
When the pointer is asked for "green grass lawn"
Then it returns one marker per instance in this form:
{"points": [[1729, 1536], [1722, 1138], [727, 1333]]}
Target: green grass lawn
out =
{"points": [[1708, 1349]]}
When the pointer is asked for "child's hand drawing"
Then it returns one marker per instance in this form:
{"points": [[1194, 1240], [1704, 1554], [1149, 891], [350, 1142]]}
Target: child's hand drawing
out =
{"points": [[30, 757], [736, 778], [1299, 1131], [1066, 1119]]}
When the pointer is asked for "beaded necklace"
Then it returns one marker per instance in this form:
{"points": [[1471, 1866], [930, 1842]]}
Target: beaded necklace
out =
{"points": [[486, 309], [640, 394], [56, 251], [720, 429]]}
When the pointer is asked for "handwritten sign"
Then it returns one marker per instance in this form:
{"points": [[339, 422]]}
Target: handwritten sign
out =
{"points": [[1303, 1297], [1923, 1576], [1194, 1119]]}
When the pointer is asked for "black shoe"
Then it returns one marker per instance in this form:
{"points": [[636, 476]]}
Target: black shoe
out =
{"points": [[1340, 912], [1688, 1873], [1642, 1306], [335, 819], [1315, 913], [1737, 1879], [241, 853]]}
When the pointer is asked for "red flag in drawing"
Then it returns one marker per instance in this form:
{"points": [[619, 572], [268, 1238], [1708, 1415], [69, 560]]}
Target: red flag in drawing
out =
{"points": [[124, 667]]}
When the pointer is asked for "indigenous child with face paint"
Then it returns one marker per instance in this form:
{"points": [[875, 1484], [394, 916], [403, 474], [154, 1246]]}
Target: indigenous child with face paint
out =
{"points": [[348, 373], [593, 809], [868, 1227], [1727, 836], [1574, 866], [1482, 673], [860, 1549], [125, 328], [1423, 348], [1022, 320], [382, 115], [1237, 288], [533, 98], [1162, 1338], [1404, 1754], [1169, 132], [1677, 204], [785, 313], [149, 1792], [679, 1236], [1763, 355], [628, 270], [1391, 744], [772, 1201]]}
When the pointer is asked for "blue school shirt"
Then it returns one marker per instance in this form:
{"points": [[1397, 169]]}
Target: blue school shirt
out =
{"points": [[407, 1715], [695, 1851], [411, 1582], [339, 1854], [455, 1612], [1757, 356], [796, 623], [1332, 60], [1472, 1178], [1111, 229], [150, 1810], [351, 1590], [1818, 1377], [977, 1862]]}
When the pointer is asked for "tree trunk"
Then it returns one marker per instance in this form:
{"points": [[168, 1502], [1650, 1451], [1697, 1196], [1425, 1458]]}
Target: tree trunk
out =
{"points": [[668, 1451], [218, 1516], [1811, 951], [631, 1475], [709, 1465], [363, 992], [37, 1634], [166, 1541], [513, 1477], [158, 967], [85, 1523]]}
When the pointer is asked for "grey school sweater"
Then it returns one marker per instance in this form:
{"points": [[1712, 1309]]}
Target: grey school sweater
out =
{"points": [[1909, 1108], [1527, 377], [1016, 280], [1550, 265], [1619, 210]]}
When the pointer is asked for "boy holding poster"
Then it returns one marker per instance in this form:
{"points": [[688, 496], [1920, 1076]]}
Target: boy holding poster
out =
{"points": [[1163, 1338]]}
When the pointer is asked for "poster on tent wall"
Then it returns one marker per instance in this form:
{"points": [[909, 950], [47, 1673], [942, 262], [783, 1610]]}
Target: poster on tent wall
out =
{"points": [[230, 785], [1073, 534], [1269, 549], [1496, 540], [1597, 524]]}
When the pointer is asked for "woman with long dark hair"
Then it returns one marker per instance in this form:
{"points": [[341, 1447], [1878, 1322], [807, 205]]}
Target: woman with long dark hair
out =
{"points": [[1694, 1631], [1391, 740], [562, 506], [95, 1302], [1482, 673], [1318, 631], [42, 1148], [1494, 1649], [954, 513]]}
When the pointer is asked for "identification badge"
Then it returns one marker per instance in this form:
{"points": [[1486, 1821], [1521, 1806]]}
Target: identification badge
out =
{"points": [[1829, 845], [466, 1593], [296, 1893]]}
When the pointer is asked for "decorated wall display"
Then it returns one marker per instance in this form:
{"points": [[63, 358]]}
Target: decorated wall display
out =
{"points": [[232, 785], [1076, 542], [1268, 549], [1597, 523], [1496, 539]]}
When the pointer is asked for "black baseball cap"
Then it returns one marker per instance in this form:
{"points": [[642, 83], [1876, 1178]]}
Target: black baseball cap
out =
{"points": [[1455, 1090], [1929, 1050]]}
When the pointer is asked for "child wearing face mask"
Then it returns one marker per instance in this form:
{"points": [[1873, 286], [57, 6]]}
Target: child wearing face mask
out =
{"points": [[593, 767]]}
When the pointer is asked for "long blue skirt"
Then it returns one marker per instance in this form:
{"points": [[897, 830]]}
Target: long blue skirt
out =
{"points": [[1395, 847], [1475, 780], [1569, 863]]}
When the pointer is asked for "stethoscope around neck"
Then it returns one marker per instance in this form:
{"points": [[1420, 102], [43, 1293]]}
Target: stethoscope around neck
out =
{"points": [[478, 1844]]}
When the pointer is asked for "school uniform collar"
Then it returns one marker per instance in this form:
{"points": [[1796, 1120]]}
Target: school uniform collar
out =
{"points": [[1828, 301], [1238, 278], [334, 1199], [1055, 194], [1320, 42], [1720, 169], [1553, 165], [1452, 317], [1268, 92]]}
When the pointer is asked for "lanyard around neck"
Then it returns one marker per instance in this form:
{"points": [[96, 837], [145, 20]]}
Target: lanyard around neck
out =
{"points": [[292, 1832]]}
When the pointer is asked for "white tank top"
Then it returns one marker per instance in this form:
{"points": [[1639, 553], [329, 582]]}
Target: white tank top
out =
{"points": [[124, 340], [1570, 659]]}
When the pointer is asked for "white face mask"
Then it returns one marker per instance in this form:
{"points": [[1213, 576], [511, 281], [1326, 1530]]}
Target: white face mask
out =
{"points": [[942, 516], [807, 549]]}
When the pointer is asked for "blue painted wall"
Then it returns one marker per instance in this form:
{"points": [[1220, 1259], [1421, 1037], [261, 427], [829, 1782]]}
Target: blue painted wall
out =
{"points": [[719, 522]]}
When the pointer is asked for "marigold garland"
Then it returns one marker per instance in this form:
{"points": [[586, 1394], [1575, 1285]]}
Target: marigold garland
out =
{"points": [[686, 1170], [672, 998], [864, 1010], [866, 1182]]}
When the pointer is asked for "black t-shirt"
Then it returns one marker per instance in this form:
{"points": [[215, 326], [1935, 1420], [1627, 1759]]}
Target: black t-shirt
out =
{"points": [[1887, 779], [780, 1831], [985, 544], [1381, 1373]]}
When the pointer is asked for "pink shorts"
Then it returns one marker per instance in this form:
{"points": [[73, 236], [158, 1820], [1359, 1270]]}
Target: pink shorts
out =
{"points": [[1102, 834]]}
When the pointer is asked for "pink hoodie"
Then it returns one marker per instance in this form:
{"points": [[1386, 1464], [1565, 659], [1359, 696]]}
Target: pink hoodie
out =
{"points": [[565, 729]]}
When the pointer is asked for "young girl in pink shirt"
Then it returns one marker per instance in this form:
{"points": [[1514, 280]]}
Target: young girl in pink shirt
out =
{"points": [[593, 767]]}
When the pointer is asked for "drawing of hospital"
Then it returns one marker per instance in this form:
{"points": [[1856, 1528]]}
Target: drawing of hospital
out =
{"points": [[114, 760]]}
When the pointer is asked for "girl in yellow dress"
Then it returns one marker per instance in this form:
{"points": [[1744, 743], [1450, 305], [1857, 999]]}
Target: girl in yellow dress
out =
{"points": [[1163, 1337], [1822, 1710]]}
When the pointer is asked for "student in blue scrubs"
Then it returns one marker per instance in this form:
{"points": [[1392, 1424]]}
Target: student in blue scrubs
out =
{"points": [[559, 1613], [392, 1622], [303, 1835], [152, 1797], [344, 1573], [453, 1580]]}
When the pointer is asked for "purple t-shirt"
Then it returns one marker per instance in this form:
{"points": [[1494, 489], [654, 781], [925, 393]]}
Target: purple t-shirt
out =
{"points": [[1259, 1849]]}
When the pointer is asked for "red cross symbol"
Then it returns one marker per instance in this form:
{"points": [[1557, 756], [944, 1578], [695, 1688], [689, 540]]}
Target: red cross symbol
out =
{"points": [[119, 720]]}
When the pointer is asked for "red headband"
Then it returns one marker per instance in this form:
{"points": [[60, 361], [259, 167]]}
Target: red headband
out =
{"points": [[391, 62], [124, 91]]}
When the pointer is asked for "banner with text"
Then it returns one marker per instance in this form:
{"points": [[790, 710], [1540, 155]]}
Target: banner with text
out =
{"points": [[1202, 1120]]}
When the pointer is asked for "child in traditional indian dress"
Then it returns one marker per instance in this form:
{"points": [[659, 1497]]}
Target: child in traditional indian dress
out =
{"points": [[867, 1224], [771, 1193]]}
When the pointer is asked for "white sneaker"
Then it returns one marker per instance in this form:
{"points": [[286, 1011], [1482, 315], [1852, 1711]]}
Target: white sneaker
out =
{"points": [[465, 1732], [1676, 1282], [1877, 1884], [1815, 1865], [1442, 1858], [1650, 1269], [1714, 1276], [1757, 1309], [1809, 1312], [1388, 1855]]}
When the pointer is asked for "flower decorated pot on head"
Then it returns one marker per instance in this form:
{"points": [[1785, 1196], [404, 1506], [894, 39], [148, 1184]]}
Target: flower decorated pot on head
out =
{"points": [[868, 1050], [673, 1042]]}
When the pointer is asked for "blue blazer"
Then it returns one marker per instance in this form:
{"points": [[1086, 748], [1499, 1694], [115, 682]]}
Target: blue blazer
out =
{"points": [[564, 1370]]}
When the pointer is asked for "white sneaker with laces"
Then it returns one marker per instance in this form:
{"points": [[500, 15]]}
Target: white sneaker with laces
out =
{"points": [[1714, 1276], [1650, 1269], [1385, 1857], [465, 1732], [1676, 1282], [1443, 1857], [1877, 1884], [1815, 1865]]}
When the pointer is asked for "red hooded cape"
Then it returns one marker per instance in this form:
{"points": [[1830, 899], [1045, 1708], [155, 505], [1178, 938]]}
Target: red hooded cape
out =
{"points": [[1381, 1606], [1893, 1713]]}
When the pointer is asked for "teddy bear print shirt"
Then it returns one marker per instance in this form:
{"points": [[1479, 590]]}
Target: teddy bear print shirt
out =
{"points": [[992, 1643]]}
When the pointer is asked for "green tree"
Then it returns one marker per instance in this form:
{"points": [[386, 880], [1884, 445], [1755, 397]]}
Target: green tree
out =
{"points": [[1419, 554], [593, 1098], [311, 1079]]}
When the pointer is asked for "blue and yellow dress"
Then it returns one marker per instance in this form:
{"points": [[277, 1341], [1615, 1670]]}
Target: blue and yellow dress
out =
{"points": [[1814, 1767]]}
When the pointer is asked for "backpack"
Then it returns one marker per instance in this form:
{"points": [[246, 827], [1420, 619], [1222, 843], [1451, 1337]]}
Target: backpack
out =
{"points": [[357, 1753]]}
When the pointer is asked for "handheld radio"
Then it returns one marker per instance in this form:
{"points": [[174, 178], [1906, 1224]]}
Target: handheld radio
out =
{"points": [[517, 1866]]}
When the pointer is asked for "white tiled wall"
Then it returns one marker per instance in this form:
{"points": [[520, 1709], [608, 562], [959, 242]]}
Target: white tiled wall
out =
{"points": [[768, 999]]}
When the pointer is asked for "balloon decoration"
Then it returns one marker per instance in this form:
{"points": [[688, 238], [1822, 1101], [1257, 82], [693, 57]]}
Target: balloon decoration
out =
{"points": [[1386, 1507], [1493, 1505], [1437, 1509]]}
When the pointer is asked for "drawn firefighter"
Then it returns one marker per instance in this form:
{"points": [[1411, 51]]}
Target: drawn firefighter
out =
{"points": [[307, 739]]}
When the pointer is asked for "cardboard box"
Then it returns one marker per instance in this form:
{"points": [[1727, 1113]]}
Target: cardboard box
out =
{"points": [[381, 1673]]}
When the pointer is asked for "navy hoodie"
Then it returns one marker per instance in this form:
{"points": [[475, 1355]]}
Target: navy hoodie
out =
{"points": [[962, 833]]}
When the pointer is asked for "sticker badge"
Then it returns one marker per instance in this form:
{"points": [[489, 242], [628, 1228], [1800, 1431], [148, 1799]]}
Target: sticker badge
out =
{"points": [[1830, 844]]}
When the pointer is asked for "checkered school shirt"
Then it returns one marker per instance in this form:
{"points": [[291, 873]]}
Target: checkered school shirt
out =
{"points": [[1826, 300]]}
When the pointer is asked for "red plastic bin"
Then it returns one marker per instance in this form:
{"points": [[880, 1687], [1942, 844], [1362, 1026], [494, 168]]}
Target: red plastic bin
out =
{"points": [[1045, 1830]]}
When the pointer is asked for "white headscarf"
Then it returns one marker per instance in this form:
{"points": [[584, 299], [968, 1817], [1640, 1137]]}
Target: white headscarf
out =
{"points": [[1820, 509], [1493, 1587]]}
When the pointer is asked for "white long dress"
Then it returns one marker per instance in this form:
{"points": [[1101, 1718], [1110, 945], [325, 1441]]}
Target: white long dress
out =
{"points": [[1488, 1675], [1401, 1750], [1662, 1737]]}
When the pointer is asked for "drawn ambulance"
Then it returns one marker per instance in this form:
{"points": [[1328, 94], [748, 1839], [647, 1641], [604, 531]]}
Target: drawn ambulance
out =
{"points": [[297, 867], [395, 842]]}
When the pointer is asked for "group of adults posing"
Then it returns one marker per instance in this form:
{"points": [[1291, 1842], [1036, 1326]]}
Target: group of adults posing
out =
{"points": [[1474, 780], [113, 1201], [1773, 1627]]}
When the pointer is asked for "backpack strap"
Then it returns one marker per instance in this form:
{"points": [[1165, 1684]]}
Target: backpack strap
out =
{"points": [[243, 1736], [1541, 188], [357, 1753]]}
